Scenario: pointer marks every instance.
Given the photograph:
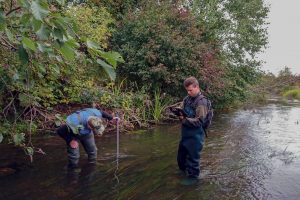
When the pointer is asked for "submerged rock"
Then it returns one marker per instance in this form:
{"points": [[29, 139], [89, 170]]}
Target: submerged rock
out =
{"points": [[5, 171]]}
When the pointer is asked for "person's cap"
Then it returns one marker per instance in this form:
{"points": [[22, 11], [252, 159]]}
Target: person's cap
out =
{"points": [[97, 125]]}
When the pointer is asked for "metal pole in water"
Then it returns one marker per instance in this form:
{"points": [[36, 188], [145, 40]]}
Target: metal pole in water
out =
{"points": [[118, 140], [118, 149]]}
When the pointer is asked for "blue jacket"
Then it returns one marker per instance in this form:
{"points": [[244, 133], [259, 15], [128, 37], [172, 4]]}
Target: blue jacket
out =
{"points": [[77, 121]]}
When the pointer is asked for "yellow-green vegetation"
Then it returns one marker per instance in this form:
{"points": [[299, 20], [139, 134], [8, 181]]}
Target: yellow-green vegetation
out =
{"points": [[159, 106], [136, 107], [293, 93], [92, 22]]}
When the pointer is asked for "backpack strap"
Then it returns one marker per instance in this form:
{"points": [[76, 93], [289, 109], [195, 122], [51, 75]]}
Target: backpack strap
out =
{"points": [[208, 105]]}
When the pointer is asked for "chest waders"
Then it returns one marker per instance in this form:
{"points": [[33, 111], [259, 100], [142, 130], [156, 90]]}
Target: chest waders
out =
{"points": [[191, 143]]}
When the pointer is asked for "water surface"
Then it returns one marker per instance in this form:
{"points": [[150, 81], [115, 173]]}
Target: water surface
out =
{"points": [[249, 154]]}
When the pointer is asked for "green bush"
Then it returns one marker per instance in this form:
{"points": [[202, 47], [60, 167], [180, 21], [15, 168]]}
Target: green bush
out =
{"points": [[161, 47], [51, 67], [93, 22], [293, 93]]}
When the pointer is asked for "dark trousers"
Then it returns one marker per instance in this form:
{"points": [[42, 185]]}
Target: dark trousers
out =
{"points": [[87, 141], [188, 156]]}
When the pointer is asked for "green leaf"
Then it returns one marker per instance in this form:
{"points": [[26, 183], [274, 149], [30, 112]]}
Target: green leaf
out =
{"points": [[23, 55], [72, 43], [112, 57], [25, 18], [42, 69], [28, 43], [61, 2], [108, 69], [29, 151], [92, 45], [2, 20], [43, 33], [18, 138], [59, 22], [55, 69], [36, 24], [39, 10], [43, 48], [1, 137], [67, 52], [24, 3], [9, 35], [58, 34], [58, 120]]}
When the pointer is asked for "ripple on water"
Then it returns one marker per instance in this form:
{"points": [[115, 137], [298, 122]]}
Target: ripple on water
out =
{"points": [[249, 154]]}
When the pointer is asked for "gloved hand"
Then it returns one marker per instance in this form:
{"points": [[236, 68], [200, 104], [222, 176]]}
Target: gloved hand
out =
{"points": [[116, 118]]}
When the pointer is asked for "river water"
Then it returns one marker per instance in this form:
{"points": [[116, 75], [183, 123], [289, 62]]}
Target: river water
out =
{"points": [[249, 154]]}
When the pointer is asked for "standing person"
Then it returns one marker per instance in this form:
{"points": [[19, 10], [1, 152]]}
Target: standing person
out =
{"points": [[81, 126], [192, 131]]}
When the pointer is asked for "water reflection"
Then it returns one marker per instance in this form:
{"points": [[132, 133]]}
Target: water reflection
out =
{"points": [[249, 154]]}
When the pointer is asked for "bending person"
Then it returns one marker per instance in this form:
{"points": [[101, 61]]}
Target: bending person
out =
{"points": [[81, 126]]}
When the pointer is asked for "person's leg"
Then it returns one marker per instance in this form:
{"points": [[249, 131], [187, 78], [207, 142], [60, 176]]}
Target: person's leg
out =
{"points": [[181, 157], [64, 132], [88, 142], [73, 156], [194, 147]]}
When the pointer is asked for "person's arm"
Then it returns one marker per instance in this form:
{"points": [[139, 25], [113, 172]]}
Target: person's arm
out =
{"points": [[201, 112], [106, 115]]}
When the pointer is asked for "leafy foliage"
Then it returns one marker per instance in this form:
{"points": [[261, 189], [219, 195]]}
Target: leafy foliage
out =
{"points": [[239, 26], [43, 47], [118, 8], [92, 22], [16, 131], [161, 47], [216, 41], [45, 61]]}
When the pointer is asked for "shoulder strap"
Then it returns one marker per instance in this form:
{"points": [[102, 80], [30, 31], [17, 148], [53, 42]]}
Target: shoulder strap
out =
{"points": [[208, 102]]}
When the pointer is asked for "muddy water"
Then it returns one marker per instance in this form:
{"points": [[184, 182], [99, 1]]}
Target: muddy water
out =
{"points": [[249, 154]]}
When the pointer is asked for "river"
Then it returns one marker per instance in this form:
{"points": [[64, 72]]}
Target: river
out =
{"points": [[249, 154]]}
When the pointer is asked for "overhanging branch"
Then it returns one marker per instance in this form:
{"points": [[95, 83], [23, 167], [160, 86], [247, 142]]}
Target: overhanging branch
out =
{"points": [[12, 10]]}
